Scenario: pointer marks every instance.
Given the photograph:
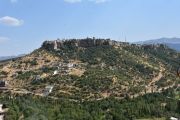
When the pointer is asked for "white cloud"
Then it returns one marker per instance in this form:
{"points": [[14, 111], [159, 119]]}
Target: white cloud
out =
{"points": [[3, 39], [99, 1], [10, 21], [73, 1], [14, 1], [78, 1]]}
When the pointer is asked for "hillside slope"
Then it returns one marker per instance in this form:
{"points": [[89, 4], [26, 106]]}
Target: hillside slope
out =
{"points": [[93, 69]]}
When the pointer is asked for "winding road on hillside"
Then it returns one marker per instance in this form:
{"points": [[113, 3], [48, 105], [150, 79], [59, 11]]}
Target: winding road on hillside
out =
{"points": [[151, 86]]}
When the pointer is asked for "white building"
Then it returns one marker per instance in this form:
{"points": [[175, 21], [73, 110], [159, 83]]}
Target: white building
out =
{"points": [[55, 45], [55, 72], [3, 110], [70, 65], [173, 118], [1, 117], [48, 90]]}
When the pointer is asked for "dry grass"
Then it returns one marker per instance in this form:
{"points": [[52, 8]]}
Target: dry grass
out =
{"points": [[77, 72]]}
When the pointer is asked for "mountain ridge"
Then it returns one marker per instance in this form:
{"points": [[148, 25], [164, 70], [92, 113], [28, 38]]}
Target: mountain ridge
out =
{"points": [[4, 58], [173, 43]]}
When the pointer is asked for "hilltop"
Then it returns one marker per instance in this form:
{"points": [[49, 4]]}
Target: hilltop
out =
{"points": [[84, 43]]}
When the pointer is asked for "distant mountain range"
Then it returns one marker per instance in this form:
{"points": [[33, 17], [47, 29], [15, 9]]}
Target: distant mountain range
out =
{"points": [[10, 57], [6, 57], [173, 43]]}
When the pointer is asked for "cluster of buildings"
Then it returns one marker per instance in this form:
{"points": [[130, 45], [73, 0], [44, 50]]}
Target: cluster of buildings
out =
{"points": [[64, 68]]}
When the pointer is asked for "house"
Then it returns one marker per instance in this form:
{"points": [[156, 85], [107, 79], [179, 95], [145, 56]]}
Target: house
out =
{"points": [[173, 118], [3, 111], [70, 65], [55, 72], [48, 90], [2, 83]]}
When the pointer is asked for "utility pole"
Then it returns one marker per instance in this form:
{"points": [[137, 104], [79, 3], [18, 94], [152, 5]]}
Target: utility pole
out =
{"points": [[125, 39]]}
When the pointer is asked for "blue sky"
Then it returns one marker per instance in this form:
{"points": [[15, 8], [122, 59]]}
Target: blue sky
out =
{"points": [[25, 24]]}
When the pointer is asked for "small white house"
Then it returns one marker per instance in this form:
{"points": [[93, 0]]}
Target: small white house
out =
{"points": [[70, 65], [3, 110], [55, 72], [1, 116], [173, 118], [48, 90]]}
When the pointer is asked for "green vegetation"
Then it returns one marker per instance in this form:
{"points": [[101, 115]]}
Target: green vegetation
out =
{"points": [[147, 106], [111, 77], [26, 75], [118, 71]]}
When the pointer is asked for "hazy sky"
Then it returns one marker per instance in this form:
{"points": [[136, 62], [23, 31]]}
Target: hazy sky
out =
{"points": [[25, 24]]}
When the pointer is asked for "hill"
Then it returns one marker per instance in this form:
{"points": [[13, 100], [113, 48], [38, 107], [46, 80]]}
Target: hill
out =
{"points": [[91, 70], [94, 69], [173, 43], [6, 57]]}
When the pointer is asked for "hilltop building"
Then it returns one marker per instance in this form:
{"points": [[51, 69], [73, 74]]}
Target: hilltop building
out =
{"points": [[88, 42]]}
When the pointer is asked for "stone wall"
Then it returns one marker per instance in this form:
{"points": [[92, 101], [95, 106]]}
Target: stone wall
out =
{"points": [[89, 42]]}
